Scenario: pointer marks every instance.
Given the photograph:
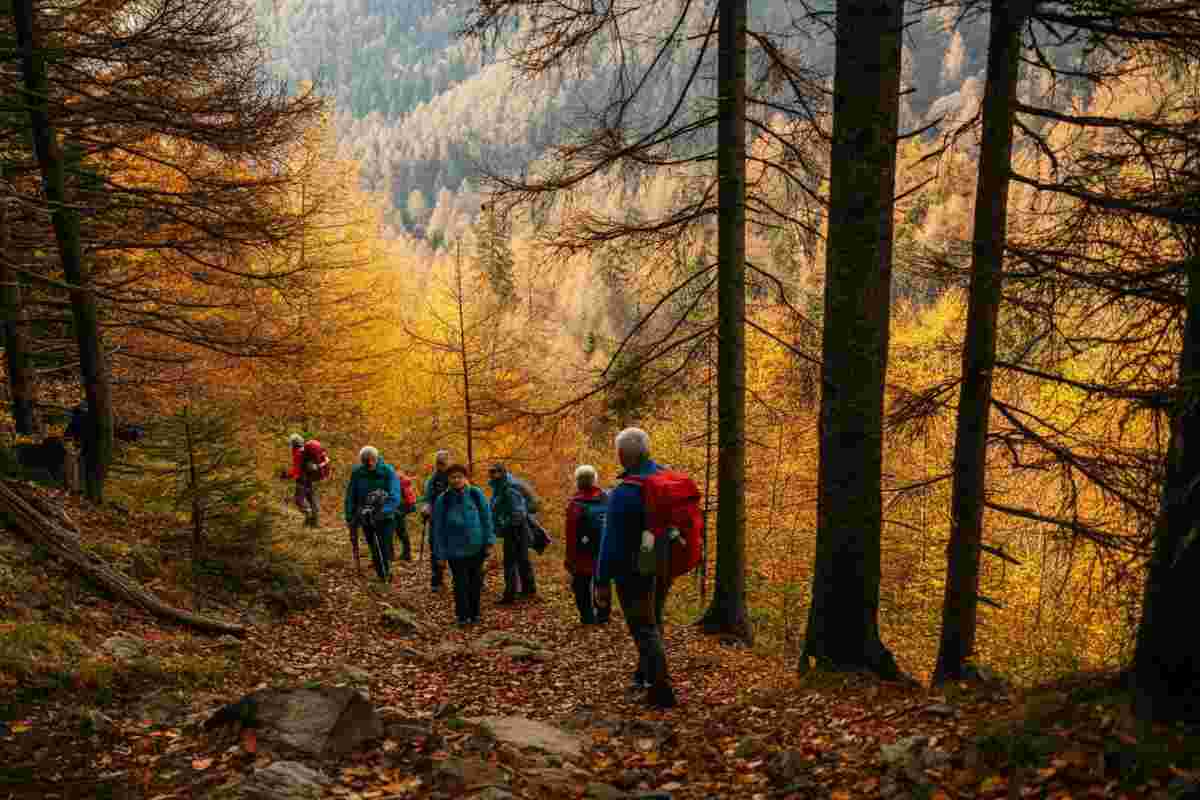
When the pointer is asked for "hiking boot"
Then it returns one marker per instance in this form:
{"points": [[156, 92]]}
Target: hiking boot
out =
{"points": [[638, 684], [661, 696]]}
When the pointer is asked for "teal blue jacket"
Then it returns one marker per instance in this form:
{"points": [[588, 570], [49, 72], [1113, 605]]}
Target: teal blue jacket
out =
{"points": [[462, 524]]}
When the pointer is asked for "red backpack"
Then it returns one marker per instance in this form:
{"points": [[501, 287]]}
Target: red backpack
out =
{"points": [[408, 492], [672, 500], [314, 452]]}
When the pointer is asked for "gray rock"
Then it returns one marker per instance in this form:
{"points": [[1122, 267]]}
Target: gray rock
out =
{"points": [[603, 791], [492, 793], [903, 751], [401, 620], [941, 710], [527, 733], [124, 648], [787, 767], [227, 642], [355, 676], [285, 780], [518, 653], [633, 778], [320, 721], [496, 639]]}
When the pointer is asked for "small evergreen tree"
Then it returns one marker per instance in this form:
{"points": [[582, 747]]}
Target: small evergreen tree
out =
{"points": [[211, 477]]}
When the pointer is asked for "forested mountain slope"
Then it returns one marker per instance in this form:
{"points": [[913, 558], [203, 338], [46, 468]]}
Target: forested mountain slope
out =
{"points": [[421, 109]]}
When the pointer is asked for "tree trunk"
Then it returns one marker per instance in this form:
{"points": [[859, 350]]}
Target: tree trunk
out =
{"points": [[1166, 660], [960, 603], [98, 429], [843, 620], [728, 614], [16, 349], [462, 352], [43, 529]]}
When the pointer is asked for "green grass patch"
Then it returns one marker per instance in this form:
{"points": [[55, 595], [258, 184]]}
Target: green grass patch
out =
{"points": [[31, 649]]}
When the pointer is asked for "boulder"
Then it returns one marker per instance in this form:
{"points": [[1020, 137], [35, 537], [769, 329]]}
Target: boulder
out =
{"points": [[124, 648], [284, 780], [496, 639], [318, 721], [401, 620], [528, 733]]}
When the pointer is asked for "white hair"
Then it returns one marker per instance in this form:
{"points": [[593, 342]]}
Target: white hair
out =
{"points": [[441, 455], [368, 452], [633, 443], [296, 439], [585, 475]]}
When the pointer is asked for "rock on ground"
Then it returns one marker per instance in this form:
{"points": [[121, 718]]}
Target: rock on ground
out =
{"points": [[320, 721], [528, 733], [285, 780]]}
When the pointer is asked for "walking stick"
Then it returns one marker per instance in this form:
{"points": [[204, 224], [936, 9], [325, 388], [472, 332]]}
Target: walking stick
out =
{"points": [[424, 531]]}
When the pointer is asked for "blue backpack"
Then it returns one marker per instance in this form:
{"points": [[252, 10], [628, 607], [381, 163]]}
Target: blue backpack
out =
{"points": [[591, 524]]}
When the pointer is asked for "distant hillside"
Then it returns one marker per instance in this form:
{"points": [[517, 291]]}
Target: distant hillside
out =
{"points": [[420, 109]]}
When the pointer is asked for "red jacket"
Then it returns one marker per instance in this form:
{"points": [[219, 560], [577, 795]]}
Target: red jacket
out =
{"points": [[579, 562], [297, 456]]}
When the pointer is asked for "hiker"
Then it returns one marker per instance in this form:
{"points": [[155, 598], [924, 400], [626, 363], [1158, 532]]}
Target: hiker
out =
{"points": [[585, 527], [310, 464], [437, 483], [509, 508], [408, 504], [462, 534], [372, 496], [641, 586]]}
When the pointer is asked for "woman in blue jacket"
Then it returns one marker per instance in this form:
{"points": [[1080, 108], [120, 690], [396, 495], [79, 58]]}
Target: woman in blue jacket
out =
{"points": [[463, 535]]}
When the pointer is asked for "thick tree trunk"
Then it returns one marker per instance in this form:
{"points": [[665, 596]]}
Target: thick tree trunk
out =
{"points": [[42, 528], [960, 603], [1166, 661], [727, 614], [98, 430], [843, 620], [16, 348]]}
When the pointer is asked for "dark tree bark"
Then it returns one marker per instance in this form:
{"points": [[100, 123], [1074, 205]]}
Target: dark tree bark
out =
{"points": [[843, 625], [16, 348], [727, 614], [98, 428], [961, 601], [466, 367], [1166, 661]]}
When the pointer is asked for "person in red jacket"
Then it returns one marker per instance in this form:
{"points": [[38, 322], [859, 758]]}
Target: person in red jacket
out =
{"points": [[585, 527]]}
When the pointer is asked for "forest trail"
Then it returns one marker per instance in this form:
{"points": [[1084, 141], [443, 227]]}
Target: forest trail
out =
{"points": [[748, 726]]}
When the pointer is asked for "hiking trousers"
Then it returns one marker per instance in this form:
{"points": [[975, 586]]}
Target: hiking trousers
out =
{"points": [[518, 571], [306, 500], [379, 540], [402, 537], [467, 574], [643, 598], [581, 586]]}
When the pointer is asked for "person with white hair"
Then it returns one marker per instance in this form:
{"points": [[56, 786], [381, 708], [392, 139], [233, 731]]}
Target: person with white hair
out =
{"points": [[585, 526], [372, 498], [641, 591], [435, 485]]}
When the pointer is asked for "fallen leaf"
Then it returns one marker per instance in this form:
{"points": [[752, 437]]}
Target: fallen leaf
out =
{"points": [[201, 763], [249, 740]]}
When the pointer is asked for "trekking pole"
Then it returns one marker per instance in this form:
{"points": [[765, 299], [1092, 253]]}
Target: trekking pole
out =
{"points": [[424, 530]]}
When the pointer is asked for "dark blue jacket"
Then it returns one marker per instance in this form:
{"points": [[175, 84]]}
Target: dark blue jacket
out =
{"points": [[462, 524], [623, 526]]}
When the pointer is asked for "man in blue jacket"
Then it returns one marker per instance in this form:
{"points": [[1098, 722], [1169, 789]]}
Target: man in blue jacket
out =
{"points": [[372, 498], [638, 589]]}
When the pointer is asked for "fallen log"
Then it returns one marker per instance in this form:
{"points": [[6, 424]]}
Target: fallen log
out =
{"points": [[42, 529]]}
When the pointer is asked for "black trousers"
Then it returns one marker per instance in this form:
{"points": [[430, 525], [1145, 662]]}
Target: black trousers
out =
{"points": [[468, 586], [581, 586], [379, 540], [518, 571], [437, 569], [402, 537]]}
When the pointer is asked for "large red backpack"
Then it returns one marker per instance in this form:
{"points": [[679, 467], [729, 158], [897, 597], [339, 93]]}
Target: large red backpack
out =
{"points": [[314, 452], [408, 493], [672, 500]]}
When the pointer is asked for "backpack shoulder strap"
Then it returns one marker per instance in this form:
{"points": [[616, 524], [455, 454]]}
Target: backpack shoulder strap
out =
{"points": [[477, 499]]}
